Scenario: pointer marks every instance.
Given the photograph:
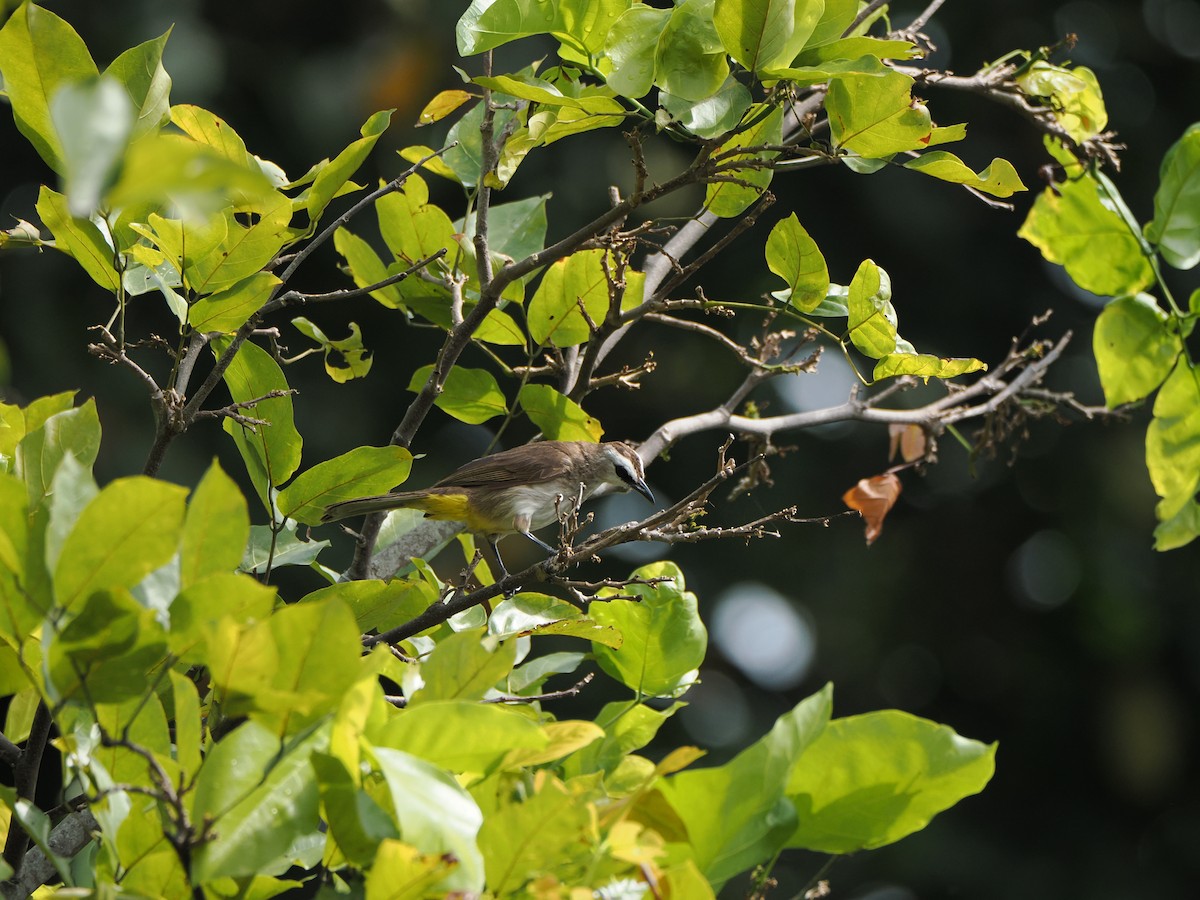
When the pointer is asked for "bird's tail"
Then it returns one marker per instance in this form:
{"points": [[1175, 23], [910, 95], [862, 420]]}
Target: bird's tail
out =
{"points": [[379, 503]]}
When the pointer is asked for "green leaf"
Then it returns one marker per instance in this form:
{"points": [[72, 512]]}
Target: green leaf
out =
{"points": [[130, 529], [106, 650], [764, 33], [188, 730], [333, 177], [628, 726], [727, 199], [271, 451], [807, 76], [366, 268], [837, 16], [714, 115], [39, 53], [357, 823], [469, 395], [466, 157], [72, 489], [855, 48], [689, 60], [875, 116], [1180, 529], [516, 229], [631, 46], [528, 614], [582, 27], [436, 815], [378, 605], [999, 179], [538, 90], [78, 238], [1074, 227], [345, 359], [433, 731], [795, 257], [210, 129], [490, 23], [266, 550], [261, 801], [246, 248], [872, 319], [361, 472], [196, 177], [580, 279], [289, 670], [94, 120], [1175, 229], [559, 417], [412, 227], [1173, 440], [1072, 94], [42, 448], [464, 666], [870, 780], [228, 310], [399, 864], [925, 366], [204, 602], [738, 815], [215, 528], [520, 839], [665, 640], [1135, 348], [140, 71]]}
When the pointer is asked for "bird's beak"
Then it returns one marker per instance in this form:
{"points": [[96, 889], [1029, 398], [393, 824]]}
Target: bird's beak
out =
{"points": [[641, 488]]}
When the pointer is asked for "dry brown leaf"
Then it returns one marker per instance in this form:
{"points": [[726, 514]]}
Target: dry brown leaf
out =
{"points": [[873, 498], [910, 440]]}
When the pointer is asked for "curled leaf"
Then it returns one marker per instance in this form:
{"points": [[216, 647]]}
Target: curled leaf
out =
{"points": [[910, 440], [873, 498]]}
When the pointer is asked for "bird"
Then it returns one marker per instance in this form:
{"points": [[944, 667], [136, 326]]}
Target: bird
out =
{"points": [[514, 491]]}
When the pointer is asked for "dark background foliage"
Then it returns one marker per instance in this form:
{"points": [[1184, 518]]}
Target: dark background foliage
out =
{"points": [[1015, 598]]}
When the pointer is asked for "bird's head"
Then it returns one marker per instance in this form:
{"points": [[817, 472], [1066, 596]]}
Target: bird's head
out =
{"points": [[622, 468]]}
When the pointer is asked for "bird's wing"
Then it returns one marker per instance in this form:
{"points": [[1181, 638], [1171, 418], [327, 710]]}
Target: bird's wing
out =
{"points": [[530, 464]]}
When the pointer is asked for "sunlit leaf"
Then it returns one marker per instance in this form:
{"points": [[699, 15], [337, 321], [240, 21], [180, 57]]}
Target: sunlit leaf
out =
{"points": [[559, 417], [727, 198], [1135, 348], [689, 60], [79, 238], [39, 53], [925, 366], [875, 116], [795, 257], [1173, 440], [442, 105], [872, 318], [665, 639], [738, 815], [764, 33], [999, 179], [1073, 226], [1175, 229], [358, 473], [345, 358], [869, 780], [470, 395]]}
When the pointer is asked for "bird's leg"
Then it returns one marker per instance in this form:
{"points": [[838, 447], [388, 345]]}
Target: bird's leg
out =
{"points": [[537, 540], [495, 542]]}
